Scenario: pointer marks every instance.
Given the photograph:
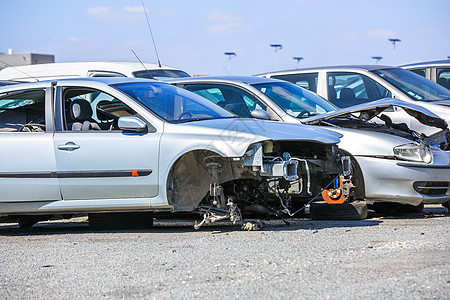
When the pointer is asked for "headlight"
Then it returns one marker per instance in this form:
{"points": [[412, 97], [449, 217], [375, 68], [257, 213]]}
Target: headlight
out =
{"points": [[414, 152]]}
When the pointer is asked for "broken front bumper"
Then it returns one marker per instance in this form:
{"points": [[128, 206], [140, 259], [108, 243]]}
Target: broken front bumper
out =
{"points": [[389, 180]]}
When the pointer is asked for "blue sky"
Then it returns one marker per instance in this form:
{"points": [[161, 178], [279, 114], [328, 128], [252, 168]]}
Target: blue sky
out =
{"points": [[194, 34]]}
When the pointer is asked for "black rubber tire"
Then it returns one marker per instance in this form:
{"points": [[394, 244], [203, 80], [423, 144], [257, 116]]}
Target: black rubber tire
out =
{"points": [[413, 209], [28, 221], [447, 204], [356, 210], [120, 220], [395, 209]]}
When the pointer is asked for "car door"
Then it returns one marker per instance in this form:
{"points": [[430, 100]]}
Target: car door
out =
{"points": [[27, 161], [97, 160]]}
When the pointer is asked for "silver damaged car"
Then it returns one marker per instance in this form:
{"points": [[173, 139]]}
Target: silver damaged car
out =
{"points": [[391, 162], [104, 145]]}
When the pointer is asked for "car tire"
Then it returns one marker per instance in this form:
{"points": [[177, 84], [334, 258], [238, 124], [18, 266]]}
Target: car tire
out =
{"points": [[408, 209], [356, 210], [395, 209], [120, 220], [28, 221], [447, 204]]}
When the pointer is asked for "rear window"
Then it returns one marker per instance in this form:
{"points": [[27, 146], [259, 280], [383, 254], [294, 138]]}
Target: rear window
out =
{"points": [[305, 80], [160, 74]]}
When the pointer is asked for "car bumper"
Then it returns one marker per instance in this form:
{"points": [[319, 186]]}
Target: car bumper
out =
{"points": [[412, 183]]}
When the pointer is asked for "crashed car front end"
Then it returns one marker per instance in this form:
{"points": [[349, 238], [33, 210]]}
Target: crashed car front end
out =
{"points": [[399, 164], [407, 182], [271, 177]]}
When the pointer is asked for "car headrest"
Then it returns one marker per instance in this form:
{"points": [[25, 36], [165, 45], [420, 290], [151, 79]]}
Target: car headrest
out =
{"points": [[80, 110]]}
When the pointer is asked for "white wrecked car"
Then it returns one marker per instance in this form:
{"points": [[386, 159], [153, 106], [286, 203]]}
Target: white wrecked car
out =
{"points": [[391, 162], [136, 145]]}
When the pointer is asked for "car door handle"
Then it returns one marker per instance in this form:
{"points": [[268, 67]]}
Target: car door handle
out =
{"points": [[69, 146]]}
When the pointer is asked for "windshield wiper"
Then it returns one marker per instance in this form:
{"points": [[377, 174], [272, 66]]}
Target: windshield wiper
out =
{"points": [[201, 119]]}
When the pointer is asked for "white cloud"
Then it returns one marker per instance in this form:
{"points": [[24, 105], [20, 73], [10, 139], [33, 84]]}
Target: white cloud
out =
{"points": [[134, 9], [224, 23], [107, 13], [381, 33]]}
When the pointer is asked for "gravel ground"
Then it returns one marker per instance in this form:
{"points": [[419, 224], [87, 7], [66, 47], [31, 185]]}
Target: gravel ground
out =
{"points": [[378, 258]]}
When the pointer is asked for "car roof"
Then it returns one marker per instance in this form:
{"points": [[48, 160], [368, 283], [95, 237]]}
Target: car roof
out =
{"points": [[55, 70], [349, 67], [80, 81], [428, 64], [245, 79], [116, 65]]}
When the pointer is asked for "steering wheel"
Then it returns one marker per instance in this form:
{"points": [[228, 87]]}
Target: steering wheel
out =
{"points": [[32, 127], [183, 114]]}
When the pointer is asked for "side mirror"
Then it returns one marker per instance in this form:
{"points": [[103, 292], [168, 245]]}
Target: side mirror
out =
{"points": [[132, 123], [260, 114]]}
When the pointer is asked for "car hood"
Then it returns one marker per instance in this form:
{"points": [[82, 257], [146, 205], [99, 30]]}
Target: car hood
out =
{"points": [[371, 109], [369, 143], [233, 136], [442, 102]]}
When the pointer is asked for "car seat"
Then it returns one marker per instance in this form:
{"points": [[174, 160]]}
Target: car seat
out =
{"points": [[81, 112], [347, 97]]}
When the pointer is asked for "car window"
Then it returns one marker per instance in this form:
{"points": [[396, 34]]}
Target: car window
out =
{"points": [[305, 80], [421, 72], [443, 77], [234, 100], [171, 103], [23, 111], [89, 109], [414, 86], [294, 100], [348, 88], [160, 74]]}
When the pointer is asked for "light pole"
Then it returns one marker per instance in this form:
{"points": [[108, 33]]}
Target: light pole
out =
{"points": [[230, 56], [276, 48], [393, 41], [377, 58], [298, 59]]}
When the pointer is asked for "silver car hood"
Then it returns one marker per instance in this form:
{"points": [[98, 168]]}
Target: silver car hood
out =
{"points": [[374, 108], [271, 130], [442, 102], [233, 136]]}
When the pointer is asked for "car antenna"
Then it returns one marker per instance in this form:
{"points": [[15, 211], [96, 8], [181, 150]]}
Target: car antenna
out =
{"points": [[151, 34], [17, 69], [149, 74]]}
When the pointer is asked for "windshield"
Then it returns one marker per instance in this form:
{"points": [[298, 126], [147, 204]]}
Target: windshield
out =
{"points": [[173, 104], [294, 100], [413, 85], [160, 74]]}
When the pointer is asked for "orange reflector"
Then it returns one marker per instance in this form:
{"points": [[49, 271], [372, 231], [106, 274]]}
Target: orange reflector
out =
{"points": [[334, 195], [134, 173]]}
